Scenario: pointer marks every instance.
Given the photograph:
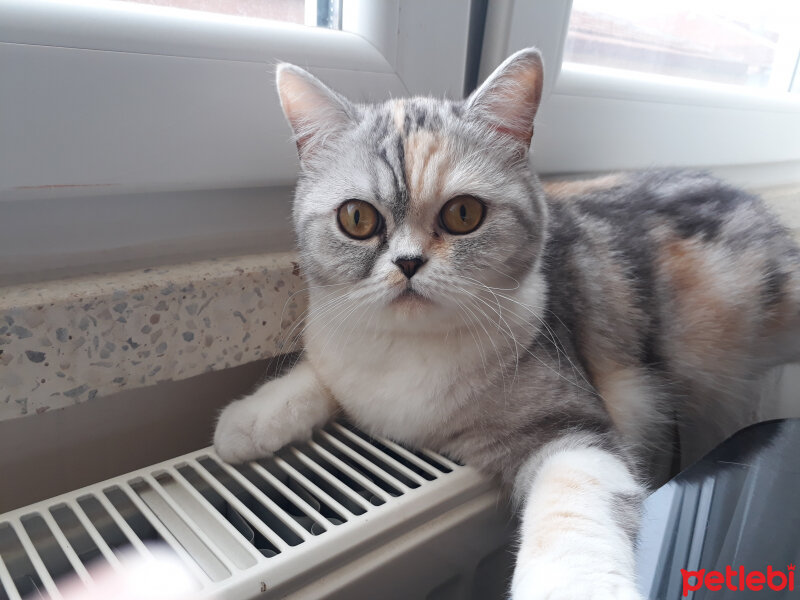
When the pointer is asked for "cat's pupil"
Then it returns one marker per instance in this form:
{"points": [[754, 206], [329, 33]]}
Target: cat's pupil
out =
{"points": [[356, 217], [463, 212]]}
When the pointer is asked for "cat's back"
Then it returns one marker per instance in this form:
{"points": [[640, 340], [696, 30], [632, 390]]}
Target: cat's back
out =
{"points": [[671, 235], [675, 271], [663, 205]]}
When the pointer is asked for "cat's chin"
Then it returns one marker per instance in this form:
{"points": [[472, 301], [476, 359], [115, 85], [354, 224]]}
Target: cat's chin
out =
{"points": [[415, 314], [411, 300]]}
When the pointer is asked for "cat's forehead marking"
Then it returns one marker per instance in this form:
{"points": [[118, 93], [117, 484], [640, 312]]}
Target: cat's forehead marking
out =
{"points": [[422, 150], [427, 165], [391, 173], [413, 158]]}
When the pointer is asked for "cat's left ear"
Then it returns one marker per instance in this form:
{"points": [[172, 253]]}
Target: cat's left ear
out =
{"points": [[314, 111], [509, 98]]}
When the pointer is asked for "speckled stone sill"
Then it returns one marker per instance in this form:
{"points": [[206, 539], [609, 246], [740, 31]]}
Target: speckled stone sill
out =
{"points": [[67, 341]]}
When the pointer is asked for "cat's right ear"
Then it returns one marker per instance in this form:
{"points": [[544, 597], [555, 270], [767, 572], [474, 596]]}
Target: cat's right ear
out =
{"points": [[313, 110], [509, 98]]}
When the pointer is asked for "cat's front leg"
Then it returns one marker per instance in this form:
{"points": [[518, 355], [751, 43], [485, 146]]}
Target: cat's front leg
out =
{"points": [[281, 411], [580, 516]]}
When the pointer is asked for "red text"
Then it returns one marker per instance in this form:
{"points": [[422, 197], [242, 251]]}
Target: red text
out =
{"points": [[738, 579]]}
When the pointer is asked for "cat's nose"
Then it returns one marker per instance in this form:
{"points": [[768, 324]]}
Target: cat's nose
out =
{"points": [[409, 265]]}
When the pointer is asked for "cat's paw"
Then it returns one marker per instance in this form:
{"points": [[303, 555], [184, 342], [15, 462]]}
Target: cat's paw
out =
{"points": [[282, 411], [564, 583], [251, 428]]}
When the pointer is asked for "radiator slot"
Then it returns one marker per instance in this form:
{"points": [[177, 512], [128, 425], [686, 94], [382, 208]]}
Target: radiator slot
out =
{"points": [[400, 476], [225, 503], [53, 556], [191, 539], [264, 509], [203, 517], [302, 508], [366, 468], [17, 563], [355, 479], [110, 528], [77, 535], [314, 498], [423, 466], [325, 481]]}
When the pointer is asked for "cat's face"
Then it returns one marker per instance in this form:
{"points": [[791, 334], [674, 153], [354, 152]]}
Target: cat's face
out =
{"points": [[415, 206]]}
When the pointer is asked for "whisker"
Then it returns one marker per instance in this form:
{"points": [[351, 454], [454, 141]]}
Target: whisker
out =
{"points": [[577, 373]]}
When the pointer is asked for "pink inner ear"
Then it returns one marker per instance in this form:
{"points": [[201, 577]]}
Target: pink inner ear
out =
{"points": [[312, 109], [509, 99], [513, 106], [299, 99]]}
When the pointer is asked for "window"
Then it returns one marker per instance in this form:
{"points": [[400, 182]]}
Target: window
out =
{"points": [[319, 13], [669, 83], [737, 42]]}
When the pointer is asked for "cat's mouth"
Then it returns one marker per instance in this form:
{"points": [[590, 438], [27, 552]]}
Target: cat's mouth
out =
{"points": [[410, 296]]}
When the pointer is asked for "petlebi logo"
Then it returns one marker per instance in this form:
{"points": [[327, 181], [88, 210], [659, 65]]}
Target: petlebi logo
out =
{"points": [[738, 580]]}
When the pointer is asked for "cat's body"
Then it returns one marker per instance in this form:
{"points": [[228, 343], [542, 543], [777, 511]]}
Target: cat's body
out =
{"points": [[678, 288], [663, 296], [552, 339]]}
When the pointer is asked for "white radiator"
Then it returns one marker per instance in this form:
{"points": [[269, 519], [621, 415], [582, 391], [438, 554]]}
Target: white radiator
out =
{"points": [[343, 516]]}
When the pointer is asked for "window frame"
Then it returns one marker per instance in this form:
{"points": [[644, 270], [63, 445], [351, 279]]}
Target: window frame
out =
{"points": [[134, 135], [652, 120], [84, 49]]}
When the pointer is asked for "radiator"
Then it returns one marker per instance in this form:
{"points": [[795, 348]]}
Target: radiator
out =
{"points": [[341, 516]]}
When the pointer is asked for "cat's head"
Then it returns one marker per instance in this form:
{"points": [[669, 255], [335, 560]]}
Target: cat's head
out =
{"points": [[414, 204]]}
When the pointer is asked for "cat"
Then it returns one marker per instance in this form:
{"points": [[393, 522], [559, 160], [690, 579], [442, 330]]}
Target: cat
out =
{"points": [[551, 336]]}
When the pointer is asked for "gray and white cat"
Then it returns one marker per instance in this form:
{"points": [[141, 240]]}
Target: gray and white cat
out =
{"points": [[553, 337]]}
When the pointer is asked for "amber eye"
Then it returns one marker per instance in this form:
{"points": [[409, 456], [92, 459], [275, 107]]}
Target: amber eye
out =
{"points": [[462, 214], [359, 219]]}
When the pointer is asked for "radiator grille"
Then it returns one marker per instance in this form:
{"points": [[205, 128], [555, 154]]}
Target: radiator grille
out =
{"points": [[224, 521]]}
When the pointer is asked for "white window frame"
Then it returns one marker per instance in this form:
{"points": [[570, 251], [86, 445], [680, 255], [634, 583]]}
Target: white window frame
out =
{"points": [[135, 135], [64, 64], [647, 120]]}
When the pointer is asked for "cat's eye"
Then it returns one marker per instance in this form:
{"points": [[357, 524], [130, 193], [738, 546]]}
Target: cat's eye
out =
{"points": [[358, 219], [462, 214]]}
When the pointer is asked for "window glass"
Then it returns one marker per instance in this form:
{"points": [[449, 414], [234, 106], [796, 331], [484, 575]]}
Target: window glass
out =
{"points": [[740, 42], [321, 13]]}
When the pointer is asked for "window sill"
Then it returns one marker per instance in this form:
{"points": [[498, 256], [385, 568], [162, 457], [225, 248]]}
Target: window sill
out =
{"points": [[69, 341]]}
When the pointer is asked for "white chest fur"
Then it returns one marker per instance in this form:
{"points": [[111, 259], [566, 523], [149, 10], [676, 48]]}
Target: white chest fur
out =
{"points": [[410, 381], [399, 384]]}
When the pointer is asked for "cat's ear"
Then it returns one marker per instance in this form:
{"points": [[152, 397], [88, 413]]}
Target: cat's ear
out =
{"points": [[509, 98], [314, 111]]}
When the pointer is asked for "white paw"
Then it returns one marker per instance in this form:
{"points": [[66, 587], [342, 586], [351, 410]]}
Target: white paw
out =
{"points": [[565, 583], [281, 411], [251, 428]]}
